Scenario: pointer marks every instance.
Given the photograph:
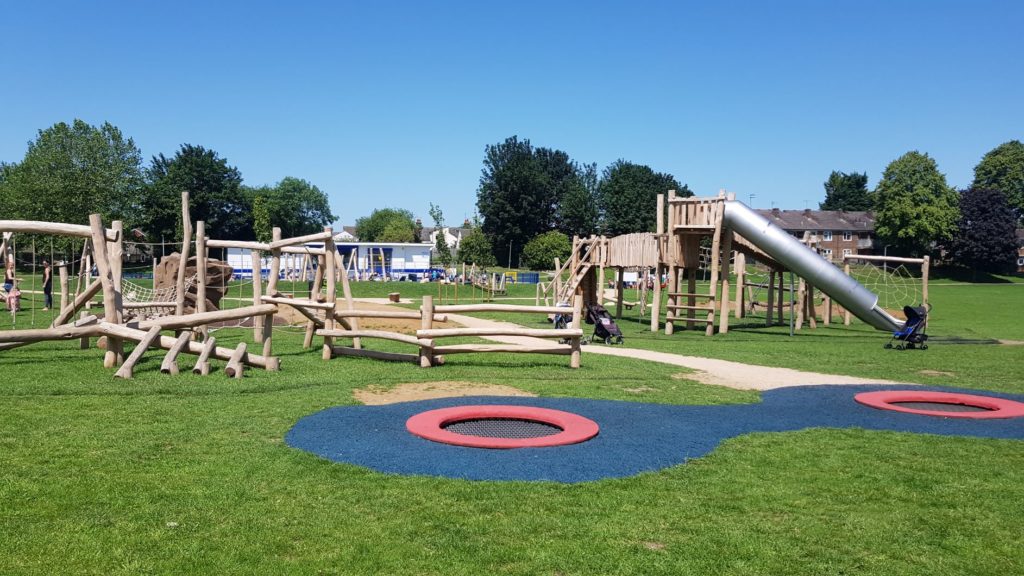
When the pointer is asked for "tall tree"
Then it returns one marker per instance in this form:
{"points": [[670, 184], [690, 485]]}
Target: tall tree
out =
{"points": [[1003, 169], [70, 171], [520, 187], [261, 222], [914, 207], [986, 237], [578, 209], [442, 252], [298, 207], [846, 192], [629, 193], [215, 191], [386, 225], [541, 251]]}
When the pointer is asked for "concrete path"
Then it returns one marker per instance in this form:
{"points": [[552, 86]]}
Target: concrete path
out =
{"points": [[707, 370]]}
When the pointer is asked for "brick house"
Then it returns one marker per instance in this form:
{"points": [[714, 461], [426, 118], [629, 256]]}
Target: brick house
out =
{"points": [[838, 233]]}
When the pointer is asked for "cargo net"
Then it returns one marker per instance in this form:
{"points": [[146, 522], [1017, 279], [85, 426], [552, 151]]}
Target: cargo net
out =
{"points": [[151, 303], [502, 428], [896, 284]]}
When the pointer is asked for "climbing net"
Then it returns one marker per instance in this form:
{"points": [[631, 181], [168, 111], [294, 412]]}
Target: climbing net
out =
{"points": [[158, 297], [896, 284]]}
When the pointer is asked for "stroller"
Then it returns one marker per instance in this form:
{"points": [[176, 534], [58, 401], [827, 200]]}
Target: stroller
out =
{"points": [[605, 327], [912, 334]]}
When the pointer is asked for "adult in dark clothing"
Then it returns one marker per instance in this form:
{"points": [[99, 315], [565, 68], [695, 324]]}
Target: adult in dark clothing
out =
{"points": [[47, 285]]}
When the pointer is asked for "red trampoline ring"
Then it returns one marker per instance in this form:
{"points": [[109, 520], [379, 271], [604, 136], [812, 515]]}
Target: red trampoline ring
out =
{"points": [[431, 425], [993, 407]]}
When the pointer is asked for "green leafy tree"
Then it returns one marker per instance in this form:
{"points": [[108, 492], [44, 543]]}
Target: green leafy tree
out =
{"points": [[386, 225], [846, 192], [578, 209], [986, 239], [70, 171], [261, 224], [299, 208], [1003, 169], [914, 207], [520, 188], [629, 197], [216, 195], [540, 252], [442, 252], [476, 248]]}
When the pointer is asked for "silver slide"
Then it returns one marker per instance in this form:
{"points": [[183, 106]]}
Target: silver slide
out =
{"points": [[806, 263]]}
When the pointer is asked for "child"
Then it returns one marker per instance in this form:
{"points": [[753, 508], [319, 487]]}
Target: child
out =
{"points": [[14, 298]]}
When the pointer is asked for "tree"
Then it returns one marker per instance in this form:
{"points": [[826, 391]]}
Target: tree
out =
{"points": [[476, 248], [986, 237], [299, 208], [914, 207], [1003, 169], [261, 224], [846, 192], [629, 196], [441, 250], [578, 209], [540, 252], [520, 188], [215, 192], [70, 171], [386, 225]]}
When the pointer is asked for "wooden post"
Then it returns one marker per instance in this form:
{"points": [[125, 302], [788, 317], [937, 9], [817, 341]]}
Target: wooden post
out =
{"points": [[62, 272], [771, 297], [741, 281], [716, 246], [115, 252], [346, 291], [619, 281], [110, 304], [125, 371], [186, 244], [577, 321], [812, 311], [170, 363], [925, 270], [426, 323], [201, 263], [723, 316], [779, 296], [84, 345], [329, 261], [275, 265], [558, 279], [202, 366], [257, 293], [801, 303], [314, 295], [671, 244], [846, 313]]}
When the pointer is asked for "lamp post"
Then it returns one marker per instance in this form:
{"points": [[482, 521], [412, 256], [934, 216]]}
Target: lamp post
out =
{"points": [[510, 254], [750, 199], [885, 254]]}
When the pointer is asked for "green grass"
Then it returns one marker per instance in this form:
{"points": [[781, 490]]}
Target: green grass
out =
{"points": [[188, 474]]}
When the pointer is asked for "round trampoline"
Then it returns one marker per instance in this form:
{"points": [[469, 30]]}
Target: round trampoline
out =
{"points": [[501, 426], [945, 404]]}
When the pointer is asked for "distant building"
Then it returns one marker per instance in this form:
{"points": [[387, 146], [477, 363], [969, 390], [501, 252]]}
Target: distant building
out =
{"points": [[838, 233]]}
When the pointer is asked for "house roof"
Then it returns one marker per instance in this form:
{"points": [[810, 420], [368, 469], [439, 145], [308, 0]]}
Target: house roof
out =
{"points": [[835, 220]]}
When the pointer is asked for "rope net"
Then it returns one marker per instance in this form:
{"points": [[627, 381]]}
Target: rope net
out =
{"points": [[136, 294], [895, 284]]}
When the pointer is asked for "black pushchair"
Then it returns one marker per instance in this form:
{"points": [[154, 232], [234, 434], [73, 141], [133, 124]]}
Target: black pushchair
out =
{"points": [[605, 327], [912, 334]]}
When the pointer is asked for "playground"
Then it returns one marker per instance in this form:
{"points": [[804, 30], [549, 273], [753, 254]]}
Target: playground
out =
{"points": [[166, 473]]}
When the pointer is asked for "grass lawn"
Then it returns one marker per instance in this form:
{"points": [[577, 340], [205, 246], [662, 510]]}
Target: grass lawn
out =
{"points": [[188, 474]]}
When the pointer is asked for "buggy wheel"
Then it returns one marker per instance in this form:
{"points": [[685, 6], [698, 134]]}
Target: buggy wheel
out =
{"points": [[618, 340], [899, 346], [608, 340], [924, 346], [888, 345]]}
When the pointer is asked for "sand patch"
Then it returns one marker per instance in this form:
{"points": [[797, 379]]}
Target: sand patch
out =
{"points": [[936, 373], [377, 395], [1012, 342], [405, 326]]}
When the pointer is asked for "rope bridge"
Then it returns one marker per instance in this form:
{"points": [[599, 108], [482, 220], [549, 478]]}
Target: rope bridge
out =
{"points": [[142, 302]]}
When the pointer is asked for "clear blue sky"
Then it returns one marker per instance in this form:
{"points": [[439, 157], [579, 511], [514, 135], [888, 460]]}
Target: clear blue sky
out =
{"points": [[390, 104]]}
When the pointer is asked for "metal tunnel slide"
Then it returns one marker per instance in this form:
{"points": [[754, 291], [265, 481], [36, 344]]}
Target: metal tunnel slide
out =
{"points": [[793, 254]]}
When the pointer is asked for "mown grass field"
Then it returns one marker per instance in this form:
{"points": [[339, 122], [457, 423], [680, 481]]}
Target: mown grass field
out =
{"points": [[170, 475]]}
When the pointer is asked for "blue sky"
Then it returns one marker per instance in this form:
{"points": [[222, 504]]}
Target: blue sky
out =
{"points": [[390, 104]]}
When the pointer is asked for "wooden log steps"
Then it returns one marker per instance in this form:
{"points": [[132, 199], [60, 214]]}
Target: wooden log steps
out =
{"points": [[166, 342], [508, 348], [170, 363], [236, 362]]}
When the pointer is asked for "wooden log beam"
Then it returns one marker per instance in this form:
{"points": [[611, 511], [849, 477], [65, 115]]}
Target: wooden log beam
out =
{"points": [[300, 250], [299, 240], [111, 307], [65, 332], [505, 348], [375, 354], [379, 334], [458, 308], [297, 302], [68, 311], [202, 366], [236, 362], [125, 371], [54, 229], [170, 363], [498, 331], [244, 245], [408, 315], [201, 280], [193, 320]]}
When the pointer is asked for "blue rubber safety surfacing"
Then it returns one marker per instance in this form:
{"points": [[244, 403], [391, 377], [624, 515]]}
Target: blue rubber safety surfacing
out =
{"points": [[634, 438]]}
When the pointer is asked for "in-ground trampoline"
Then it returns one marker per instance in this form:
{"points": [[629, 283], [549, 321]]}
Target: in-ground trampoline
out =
{"points": [[632, 437]]}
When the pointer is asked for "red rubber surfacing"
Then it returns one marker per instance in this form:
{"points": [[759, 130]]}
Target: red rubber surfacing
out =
{"points": [[430, 425], [995, 407]]}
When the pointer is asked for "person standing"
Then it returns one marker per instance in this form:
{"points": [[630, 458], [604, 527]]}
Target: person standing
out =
{"points": [[47, 286]]}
